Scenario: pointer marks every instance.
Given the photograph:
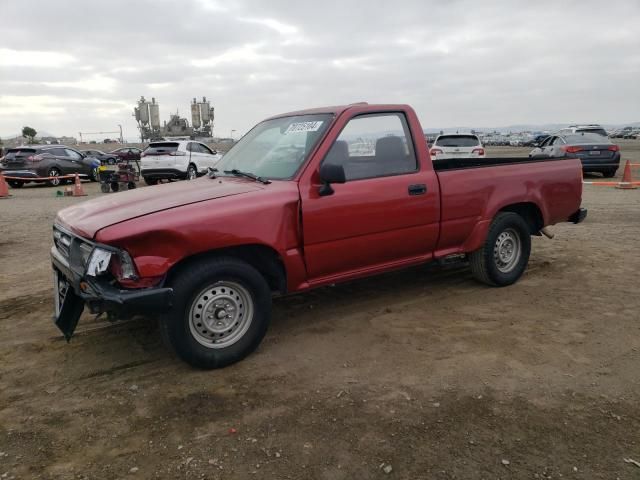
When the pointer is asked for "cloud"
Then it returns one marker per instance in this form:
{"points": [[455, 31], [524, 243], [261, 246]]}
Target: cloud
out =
{"points": [[458, 63], [33, 58]]}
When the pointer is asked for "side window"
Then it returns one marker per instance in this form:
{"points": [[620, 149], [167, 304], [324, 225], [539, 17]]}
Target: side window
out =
{"points": [[205, 149], [371, 146], [58, 152], [558, 141], [547, 142], [72, 154]]}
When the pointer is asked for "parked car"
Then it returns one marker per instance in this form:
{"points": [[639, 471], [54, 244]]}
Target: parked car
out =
{"points": [[273, 219], [534, 141], [105, 158], [621, 132], [33, 161], [596, 152], [127, 153], [457, 145], [631, 134], [176, 160], [590, 128]]}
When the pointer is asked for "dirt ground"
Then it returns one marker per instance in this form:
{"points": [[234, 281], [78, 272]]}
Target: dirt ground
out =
{"points": [[417, 374]]}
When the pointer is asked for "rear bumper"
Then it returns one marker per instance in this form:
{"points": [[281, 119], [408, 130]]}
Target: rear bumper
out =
{"points": [[578, 216], [598, 164], [163, 173], [22, 173]]}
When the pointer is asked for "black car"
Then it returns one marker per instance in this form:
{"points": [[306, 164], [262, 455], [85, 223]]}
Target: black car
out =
{"points": [[31, 162], [105, 158], [596, 152], [127, 153]]}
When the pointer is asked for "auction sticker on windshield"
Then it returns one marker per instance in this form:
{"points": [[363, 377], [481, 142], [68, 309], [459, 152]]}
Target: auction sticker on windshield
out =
{"points": [[304, 127]]}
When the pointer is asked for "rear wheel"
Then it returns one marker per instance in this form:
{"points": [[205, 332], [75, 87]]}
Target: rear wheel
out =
{"points": [[131, 185], [150, 180], [15, 183], [54, 173], [94, 175], [104, 187], [504, 256], [115, 186], [221, 311], [192, 172], [111, 161], [610, 173]]}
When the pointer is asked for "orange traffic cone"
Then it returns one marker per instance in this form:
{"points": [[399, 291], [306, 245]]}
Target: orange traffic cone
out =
{"points": [[627, 182], [78, 191], [4, 188]]}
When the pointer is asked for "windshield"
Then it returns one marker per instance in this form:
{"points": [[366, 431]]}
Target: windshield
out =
{"points": [[457, 141], [276, 148]]}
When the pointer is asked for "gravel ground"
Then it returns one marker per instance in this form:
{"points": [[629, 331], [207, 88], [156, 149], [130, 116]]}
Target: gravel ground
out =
{"points": [[417, 374]]}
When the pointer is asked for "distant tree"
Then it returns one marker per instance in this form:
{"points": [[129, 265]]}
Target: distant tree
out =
{"points": [[30, 133]]}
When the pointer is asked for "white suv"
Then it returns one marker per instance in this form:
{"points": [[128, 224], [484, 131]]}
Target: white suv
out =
{"points": [[591, 128], [183, 159], [457, 145]]}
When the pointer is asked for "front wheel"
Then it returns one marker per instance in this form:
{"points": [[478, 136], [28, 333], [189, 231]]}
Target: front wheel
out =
{"points": [[15, 183], [192, 172], [503, 258], [94, 176], [221, 311], [150, 180]]}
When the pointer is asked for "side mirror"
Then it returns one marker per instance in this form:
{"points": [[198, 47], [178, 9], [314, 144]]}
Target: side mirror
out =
{"points": [[330, 173]]}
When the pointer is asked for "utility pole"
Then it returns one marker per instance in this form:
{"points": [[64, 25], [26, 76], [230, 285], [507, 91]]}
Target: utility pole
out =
{"points": [[121, 138], [232, 134]]}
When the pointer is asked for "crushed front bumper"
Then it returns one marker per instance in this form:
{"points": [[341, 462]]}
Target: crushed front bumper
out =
{"points": [[98, 293]]}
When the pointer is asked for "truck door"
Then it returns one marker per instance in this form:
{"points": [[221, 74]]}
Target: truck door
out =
{"points": [[388, 210]]}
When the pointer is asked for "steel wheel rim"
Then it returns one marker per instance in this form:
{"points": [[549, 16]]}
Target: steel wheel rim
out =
{"points": [[191, 174], [54, 181], [507, 250], [221, 314]]}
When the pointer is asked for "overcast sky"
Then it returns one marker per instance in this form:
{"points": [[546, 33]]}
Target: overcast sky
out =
{"points": [[80, 65]]}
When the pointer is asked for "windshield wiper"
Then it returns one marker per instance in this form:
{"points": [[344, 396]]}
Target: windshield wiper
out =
{"points": [[240, 173]]}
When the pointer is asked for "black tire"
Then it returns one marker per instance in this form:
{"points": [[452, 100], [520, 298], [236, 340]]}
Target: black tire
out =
{"points": [[610, 173], [54, 172], [15, 183], [131, 185], [115, 186], [486, 268], [192, 172], [111, 161], [94, 176], [189, 284], [150, 180]]}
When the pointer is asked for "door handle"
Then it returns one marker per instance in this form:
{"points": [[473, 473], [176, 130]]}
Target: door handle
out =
{"points": [[417, 189]]}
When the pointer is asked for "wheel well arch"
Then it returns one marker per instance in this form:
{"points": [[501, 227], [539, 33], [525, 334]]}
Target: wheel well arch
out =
{"points": [[261, 257], [531, 214]]}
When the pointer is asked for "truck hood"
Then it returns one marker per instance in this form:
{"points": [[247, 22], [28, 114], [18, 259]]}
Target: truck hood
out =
{"points": [[87, 218]]}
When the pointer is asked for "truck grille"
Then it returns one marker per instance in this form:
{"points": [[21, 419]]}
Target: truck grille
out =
{"points": [[62, 241]]}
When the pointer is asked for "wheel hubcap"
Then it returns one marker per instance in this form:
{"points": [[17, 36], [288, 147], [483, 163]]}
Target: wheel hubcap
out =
{"points": [[507, 250], [54, 181], [221, 314], [192, 174]]}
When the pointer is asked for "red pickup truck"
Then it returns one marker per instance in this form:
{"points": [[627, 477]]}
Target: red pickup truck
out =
{"points": [[305, 199]]}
